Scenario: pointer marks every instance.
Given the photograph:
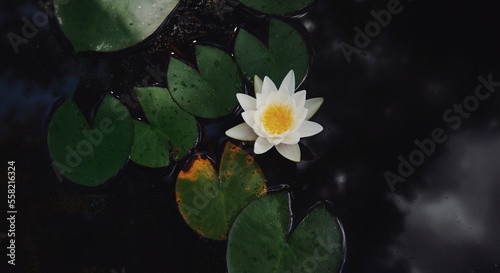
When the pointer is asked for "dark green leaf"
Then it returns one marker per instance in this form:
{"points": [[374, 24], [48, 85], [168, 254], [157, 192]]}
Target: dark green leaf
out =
{"points": [[276, 6], [209, 202], [259, 240], [287, 51], [169, 126], [90, 155], [109, 25], [209, 92]]}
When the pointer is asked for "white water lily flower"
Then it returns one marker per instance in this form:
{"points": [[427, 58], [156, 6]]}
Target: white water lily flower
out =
{"points": [[277, 117]]}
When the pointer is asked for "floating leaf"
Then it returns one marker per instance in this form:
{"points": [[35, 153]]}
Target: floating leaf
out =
{"points": [[259, 240], [211, 92], [287, 51], [108, 25], [209, 202], [276, 6], [169, 126], [90, 155]]}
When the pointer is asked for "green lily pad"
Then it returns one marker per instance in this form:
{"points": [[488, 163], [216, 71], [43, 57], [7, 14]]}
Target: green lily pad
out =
{"points": [[170, 129], [109, 25], [209, 92], [276, 6], [209, 202], [260, 239], [90, 155], [286, 50]]}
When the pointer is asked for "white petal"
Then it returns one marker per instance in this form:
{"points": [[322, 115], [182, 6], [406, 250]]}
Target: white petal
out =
{"points": [[300, 117], [299, 98], [247, 102], [268, 86], [257, 84], [257, 130], [248, 117], [301, 114], [282, 95], [262, 145], [289, 82], [292, 138], [291, 152], [260, 100], [309, 128], [275, 140], [272, 97], [258, 124], [313, 105], [242, 132]]}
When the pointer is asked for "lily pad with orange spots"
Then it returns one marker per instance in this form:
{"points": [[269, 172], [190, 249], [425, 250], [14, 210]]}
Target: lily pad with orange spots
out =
{"points": [[210, 201]]}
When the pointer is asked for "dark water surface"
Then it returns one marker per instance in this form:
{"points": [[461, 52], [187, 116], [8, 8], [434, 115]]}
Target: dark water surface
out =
{"points": [[393, 94]]}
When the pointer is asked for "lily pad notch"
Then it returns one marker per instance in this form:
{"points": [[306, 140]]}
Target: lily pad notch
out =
{"points": [[261, 239], [90, 155], [210, 91], [170, 133], [286, 50]]}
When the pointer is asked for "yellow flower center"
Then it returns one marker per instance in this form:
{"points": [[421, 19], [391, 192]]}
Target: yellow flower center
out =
{"points": [[277, 118]]}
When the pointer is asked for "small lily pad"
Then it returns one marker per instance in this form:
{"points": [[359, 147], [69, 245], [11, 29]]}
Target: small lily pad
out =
{"points": [[209, 92], [170, 129], [286, 51], [276, 6], [260, 239], [209, 202], [90, 155], [109, 25]]}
